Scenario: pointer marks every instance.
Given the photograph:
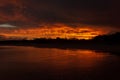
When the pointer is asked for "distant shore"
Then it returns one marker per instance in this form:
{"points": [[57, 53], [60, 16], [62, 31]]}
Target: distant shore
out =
{"points": [[65, 44], [107, 43]]}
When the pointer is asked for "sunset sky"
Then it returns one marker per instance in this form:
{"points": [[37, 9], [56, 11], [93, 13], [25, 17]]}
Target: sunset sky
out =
{"points": [[82, 19]]}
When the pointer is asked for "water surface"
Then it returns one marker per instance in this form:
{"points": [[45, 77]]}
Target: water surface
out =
{"points": [[30, 63]]}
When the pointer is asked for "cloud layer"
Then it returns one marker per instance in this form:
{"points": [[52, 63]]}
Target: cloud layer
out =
{"points": [[96, 12], [27, 14]]}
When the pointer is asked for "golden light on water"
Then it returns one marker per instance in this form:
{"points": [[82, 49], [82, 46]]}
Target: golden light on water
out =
{"points": [[57, 58]]}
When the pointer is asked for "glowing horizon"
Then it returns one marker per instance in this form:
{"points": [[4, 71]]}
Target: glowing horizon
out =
{"points": [[58, 30]]}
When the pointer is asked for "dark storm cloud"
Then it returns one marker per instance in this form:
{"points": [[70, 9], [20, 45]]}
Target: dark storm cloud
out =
{"points": [[34, 12]]}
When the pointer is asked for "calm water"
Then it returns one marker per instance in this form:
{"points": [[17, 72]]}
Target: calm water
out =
{"points": [[29, 63]]}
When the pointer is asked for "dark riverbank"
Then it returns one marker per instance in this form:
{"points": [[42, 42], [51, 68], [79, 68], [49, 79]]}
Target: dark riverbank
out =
{"points": [[66, 44], [107, 43]]}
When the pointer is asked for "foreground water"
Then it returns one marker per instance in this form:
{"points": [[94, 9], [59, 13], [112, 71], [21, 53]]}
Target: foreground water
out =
{"points": [[30, 63]]}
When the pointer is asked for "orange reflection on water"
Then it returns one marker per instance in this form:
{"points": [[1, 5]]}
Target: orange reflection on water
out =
{"points": [[52, 58]]}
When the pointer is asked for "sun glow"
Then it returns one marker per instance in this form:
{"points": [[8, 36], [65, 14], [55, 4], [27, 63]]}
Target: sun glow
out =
{"points": [[61, 31]]}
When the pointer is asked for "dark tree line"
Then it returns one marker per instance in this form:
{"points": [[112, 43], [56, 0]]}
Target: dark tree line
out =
{"points": [[101, 39]]}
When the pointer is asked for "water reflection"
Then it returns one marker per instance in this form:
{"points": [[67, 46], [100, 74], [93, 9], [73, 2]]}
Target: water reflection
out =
{"points": [[56, 64]]}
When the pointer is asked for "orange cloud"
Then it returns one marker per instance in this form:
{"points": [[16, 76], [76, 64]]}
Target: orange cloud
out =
{"points": [[54, 31]]}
